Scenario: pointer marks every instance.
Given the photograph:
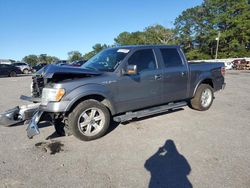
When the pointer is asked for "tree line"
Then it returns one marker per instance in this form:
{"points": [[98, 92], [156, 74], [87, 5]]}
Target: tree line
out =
{"points": [[196, 30]]}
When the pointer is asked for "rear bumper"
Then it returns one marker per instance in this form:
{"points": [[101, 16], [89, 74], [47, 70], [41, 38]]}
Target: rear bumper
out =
{"points": [[32, 128]]}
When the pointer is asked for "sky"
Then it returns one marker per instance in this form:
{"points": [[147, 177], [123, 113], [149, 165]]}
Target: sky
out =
{"points": [[56, 27]]}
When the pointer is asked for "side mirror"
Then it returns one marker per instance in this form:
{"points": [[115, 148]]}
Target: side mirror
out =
{"points": [[131, 70]]}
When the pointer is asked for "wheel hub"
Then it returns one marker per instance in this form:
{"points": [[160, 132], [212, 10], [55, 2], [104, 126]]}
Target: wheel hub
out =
{"points": [[206, 98], [91, 121]]}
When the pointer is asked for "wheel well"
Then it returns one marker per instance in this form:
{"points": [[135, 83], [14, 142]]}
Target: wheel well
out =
{"points": [[99, 98], [209, 82], [206, 81]]}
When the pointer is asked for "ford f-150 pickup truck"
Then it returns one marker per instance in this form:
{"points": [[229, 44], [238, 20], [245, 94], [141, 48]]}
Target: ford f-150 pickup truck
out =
{"points": [[120, 84]]}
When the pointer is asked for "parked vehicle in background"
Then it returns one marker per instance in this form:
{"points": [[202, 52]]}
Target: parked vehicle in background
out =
{"points": [[38, 67], [78, 63], [7, 61], [61, 62], [9, 70], [24, 67], [241, 64], [228, 65]]}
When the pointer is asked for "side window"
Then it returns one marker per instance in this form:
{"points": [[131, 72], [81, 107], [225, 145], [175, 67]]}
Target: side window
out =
{"points": [[171, 57], [144, 59]]}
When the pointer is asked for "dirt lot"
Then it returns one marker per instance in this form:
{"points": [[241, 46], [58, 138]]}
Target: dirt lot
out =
{"points": [[180, 149]]}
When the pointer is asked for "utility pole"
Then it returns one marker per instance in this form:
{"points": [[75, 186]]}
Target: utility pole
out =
{"points": [[217, 46]]}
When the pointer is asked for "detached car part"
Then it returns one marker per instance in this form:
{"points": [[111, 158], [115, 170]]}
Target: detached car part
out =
{"points": [[18, 114]]}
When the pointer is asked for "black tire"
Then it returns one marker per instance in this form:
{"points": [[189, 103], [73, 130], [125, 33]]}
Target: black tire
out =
{"points": [[75, 116], [196, 102], [25, 71], [12, 74], [61, 128]]}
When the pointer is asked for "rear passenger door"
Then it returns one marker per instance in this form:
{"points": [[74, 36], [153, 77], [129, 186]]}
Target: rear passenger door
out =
{"points": [[175, 75]]}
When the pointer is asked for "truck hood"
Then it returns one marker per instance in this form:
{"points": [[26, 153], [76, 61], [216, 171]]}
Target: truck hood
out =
{"points": [[58, 73], [50, 71]]}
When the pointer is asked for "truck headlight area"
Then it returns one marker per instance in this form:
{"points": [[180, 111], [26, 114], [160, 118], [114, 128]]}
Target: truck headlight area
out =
{"points": [[52, 94]]}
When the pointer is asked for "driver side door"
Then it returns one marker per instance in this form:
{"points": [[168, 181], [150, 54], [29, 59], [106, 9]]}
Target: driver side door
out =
{"points": [[143, 89]]}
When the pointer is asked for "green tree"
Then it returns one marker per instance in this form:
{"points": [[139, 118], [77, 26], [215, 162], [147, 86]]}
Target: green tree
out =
{"points": [[198, 27], [31, 59], [96, 49], [156, 34], [74, 56], [44, 58], [133, 38]]}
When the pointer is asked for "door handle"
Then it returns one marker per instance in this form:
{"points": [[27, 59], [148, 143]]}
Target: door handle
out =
{"points": [[158, 77], [182, 74]]}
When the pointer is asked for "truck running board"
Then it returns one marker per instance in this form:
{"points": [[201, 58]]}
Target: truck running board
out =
{"points": [[149, 111]]}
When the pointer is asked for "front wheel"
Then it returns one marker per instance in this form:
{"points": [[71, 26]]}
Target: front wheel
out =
{"points": [[89, 120], [12, 74], [203, 98]]}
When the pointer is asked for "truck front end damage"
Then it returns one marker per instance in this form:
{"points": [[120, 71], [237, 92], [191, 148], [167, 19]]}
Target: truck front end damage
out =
{"points": [[18, 114], [32, 128], [46, 104]]}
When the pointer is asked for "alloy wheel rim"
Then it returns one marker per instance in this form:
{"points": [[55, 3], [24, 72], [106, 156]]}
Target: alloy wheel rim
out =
{"points": [[91, 121], [206, 98]]}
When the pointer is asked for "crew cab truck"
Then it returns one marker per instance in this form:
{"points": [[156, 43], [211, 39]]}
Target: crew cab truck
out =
{"points": [[120, 84]]}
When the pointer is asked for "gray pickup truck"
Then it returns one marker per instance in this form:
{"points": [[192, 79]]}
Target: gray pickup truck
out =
{"points": [[120, 84]]}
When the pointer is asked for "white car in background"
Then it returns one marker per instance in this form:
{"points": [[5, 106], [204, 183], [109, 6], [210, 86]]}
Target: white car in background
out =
{"points": [[228, 65], [24, 67]]}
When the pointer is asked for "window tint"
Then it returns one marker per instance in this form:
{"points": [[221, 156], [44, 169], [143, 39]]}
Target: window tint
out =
{"points": [[171, 57], [144, 59]]}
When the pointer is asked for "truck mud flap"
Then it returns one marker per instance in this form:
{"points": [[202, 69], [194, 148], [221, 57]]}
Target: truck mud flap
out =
{"points": [[18, 114]]}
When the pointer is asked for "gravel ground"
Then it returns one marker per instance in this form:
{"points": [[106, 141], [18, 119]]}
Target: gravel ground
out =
{"points": [[180, 149]]}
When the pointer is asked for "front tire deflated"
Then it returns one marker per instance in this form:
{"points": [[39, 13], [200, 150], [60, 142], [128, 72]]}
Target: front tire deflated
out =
{"points": [[89, 120]]}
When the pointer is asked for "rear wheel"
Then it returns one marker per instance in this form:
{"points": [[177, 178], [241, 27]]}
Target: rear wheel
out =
{"points": [[12, 74], [89, 120], [203, 98], [25, 71]]}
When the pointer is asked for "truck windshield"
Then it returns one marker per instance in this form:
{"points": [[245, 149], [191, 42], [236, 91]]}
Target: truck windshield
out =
{"points": [[107, 60]]}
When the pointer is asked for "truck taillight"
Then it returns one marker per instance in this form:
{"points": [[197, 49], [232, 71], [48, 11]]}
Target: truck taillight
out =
{"points": [[223, 71]]}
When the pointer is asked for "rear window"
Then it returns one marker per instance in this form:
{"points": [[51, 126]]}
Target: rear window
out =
{"points": [[171, 57]]}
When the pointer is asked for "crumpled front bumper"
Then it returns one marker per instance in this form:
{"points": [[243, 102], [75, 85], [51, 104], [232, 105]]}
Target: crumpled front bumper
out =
{"points": [[10, 117], [18, 114], [32, 128]]}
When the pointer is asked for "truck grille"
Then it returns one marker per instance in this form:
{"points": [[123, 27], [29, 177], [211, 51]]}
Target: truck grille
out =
{"points": [[37, 86]]}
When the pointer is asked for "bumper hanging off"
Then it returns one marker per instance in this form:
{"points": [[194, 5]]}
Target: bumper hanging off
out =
{"points": [[32, 128], [18, 114]]}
